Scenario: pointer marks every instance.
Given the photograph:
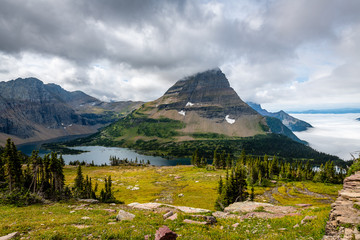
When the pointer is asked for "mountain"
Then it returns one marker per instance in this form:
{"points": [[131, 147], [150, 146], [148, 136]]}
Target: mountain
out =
{"points": [[202, 113], [199, 106], [32, 111], [329, 111], [292, 123], [358, 119]]}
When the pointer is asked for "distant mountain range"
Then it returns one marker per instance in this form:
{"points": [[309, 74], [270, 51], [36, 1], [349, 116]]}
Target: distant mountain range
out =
{"points": [[328, 111], [292, 123], [32, 111]]}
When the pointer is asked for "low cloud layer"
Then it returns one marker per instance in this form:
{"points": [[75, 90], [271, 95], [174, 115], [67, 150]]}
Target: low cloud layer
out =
{"points": [[336, 134], [284, 54]]}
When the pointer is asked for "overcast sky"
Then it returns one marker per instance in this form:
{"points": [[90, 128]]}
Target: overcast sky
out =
{"points": [[284, 54]]}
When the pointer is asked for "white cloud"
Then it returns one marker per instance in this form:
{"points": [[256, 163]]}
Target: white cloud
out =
{"points": [[287, 54]]}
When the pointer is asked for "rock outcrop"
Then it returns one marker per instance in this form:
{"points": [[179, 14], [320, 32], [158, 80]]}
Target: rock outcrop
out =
{"points": [[153, 206], [10, 236], [344, 219]]}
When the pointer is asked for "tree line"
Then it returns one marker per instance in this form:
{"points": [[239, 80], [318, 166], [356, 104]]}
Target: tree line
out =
{"points": [[258, 171], [116, 161], [27, 180]]}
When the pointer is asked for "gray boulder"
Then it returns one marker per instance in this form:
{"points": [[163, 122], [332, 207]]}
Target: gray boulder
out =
{"points": [[123, 215]]}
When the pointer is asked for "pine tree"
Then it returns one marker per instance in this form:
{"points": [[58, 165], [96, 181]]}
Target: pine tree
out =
{"points": [[202, 162], [252, 194], [228, 161], [220, 186], [12, 166], [216, 159], [234, 189], [260, 178], [106, 194], [79, 183]]}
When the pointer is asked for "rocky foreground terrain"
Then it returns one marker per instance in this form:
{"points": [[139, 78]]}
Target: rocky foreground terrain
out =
{"points": [[344, 220]]}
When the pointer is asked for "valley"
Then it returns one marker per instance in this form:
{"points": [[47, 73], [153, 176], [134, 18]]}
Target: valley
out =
{"points": [[235, 152]]}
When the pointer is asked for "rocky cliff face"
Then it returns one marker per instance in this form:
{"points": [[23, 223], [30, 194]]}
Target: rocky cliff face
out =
{"points": [[208, 93], [344, 220], [32, 110], [207, 104], [289, 121]]}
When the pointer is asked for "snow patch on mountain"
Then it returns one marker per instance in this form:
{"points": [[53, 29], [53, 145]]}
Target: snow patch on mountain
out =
{"points": [[182, 112], [229, 120]]}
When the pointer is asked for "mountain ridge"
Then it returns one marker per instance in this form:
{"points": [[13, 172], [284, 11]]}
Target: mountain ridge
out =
{"points": [[33, 111], [289, 121]]}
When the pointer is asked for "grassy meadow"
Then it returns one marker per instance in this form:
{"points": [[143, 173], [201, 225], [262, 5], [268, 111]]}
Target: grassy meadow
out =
{"points": [[74, 220]]}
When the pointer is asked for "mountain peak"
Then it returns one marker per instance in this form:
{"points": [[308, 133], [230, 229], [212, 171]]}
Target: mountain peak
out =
{"points": [[208, 94], [213, 78]]}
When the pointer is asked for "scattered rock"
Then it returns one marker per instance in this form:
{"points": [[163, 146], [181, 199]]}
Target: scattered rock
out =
{"points": [[112, 204], [85, 218], [123, 215], [308, 219], [110, 210], [112, 223], [10, 236], [147, 237], [133, 188], [81, 226], [191, 209], [145, 206], [72, 211], [164, 233], [89, 200], [282, 229], [219, 214], [168, 214], [303, 205], [296, 226], [209, 219], [246, 206], [180, 195], [173, 217], [235, 225], [177, 177], [194, 222], [153, 206], [268, 210]]}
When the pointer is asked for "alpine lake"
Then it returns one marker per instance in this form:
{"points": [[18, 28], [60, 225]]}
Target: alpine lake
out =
{"points": [[99, 154]]}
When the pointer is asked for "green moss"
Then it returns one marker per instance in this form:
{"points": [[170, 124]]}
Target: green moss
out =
{"points": [[357, 206]]}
